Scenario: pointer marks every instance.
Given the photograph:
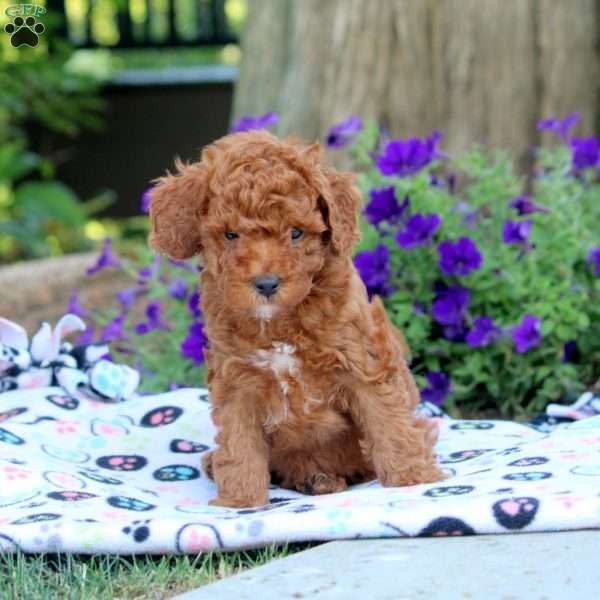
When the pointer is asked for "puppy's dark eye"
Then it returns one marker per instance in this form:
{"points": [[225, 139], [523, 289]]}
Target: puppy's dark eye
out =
{"points": [[231, 235], [297, 233]]}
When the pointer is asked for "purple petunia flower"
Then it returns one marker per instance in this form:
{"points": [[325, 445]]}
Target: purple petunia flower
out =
{"points": [[128, 296], [456, 332], [145, 274], [418, 230], [585, 152], [594, 257], [193, 345], [261, 122], [105, 260], [178, 289], [561, 127], [154, 321], [75, 307], [145, 205], [194, 305], [404, 158], [484, 332], [384, 206], [528, 334], [114, 330], [451, 304], [525, 206], [342, 134], [438, 389], [516, 232], [374, 269], [460, 258], [570, 351]]}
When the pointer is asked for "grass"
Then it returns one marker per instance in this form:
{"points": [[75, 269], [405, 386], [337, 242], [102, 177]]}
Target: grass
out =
{"points": [[69, 577]]}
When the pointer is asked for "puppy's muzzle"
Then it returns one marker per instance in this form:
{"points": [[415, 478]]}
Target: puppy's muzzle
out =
{"points": [[267, 285]]}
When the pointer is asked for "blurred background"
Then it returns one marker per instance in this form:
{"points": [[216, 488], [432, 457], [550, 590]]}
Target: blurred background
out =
{"points": [[116, 88]]}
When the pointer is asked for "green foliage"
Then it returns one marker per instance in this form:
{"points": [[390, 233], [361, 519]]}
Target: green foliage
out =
{"points": [[551, 279], [40, 216]]}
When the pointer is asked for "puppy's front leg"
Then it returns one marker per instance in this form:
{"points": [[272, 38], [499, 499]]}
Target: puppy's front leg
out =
{"points": [[399, 444], [240, 463]]}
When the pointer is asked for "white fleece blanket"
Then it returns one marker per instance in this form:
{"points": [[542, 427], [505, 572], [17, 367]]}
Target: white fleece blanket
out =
{"points": [[86, 476]]}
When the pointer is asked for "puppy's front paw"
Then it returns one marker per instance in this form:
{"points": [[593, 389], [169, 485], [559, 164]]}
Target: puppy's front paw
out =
{"points": [[320, 483], [413, 475], [238, 502]]}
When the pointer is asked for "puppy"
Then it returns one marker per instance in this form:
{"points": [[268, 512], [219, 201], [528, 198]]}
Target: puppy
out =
{"points": [[308, 379]]}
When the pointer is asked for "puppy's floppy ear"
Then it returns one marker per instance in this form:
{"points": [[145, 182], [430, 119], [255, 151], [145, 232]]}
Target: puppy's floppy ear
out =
{"points": [[176, 203], [339, 202]]}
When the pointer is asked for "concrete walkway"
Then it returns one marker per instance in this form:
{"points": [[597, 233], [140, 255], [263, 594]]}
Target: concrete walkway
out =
{"points": [[536, 566]]}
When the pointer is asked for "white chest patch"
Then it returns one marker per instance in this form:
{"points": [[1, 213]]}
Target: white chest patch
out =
{"points": [[265, 311], [282, 363], [279, 360]]}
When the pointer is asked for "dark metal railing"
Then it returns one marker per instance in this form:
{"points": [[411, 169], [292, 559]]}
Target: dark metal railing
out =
{"points": [[146, 23]]}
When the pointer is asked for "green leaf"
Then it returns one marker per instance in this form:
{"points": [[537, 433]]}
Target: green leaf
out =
{"points": [[44, 202]]}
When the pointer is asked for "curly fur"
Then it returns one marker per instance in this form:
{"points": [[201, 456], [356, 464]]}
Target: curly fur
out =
{"points": [[311, 385]]}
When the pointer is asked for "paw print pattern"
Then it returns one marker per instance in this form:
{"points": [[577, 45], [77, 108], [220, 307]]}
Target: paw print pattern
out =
{"points": [[515, 513], [64, 402], [530, 461], [138, 530], [448, 490], [176, 473], [100, 478], [121, 462], [63, 480], [128, 503], [10, 438], [461, 456], [445, 526], [509, 451], [528, 476], [38, 518], [24, 32], [164, 415], [187, 447], [13, 412], [71, 496]]}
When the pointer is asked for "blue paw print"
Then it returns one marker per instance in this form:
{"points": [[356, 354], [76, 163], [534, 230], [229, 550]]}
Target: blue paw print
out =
{"points": [[528, 476], [128, 503], [10, 438], [176, 473], [109, 379]]}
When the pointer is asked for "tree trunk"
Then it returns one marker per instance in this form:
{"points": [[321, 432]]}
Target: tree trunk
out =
{"points": [[477, 70]]}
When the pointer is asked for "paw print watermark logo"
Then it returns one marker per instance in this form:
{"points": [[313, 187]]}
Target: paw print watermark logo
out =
{"points": [[24, 29]]}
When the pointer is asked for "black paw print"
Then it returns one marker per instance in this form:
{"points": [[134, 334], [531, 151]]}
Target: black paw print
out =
{"points": [[24, 32], [139, 530]]}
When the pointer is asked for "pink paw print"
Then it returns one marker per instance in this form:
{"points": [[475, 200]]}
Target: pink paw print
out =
{"points": [[123, 463], [198, 542], [13, 473], [66, 427]]}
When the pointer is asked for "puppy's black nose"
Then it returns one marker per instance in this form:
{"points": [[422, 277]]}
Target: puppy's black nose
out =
{"points": [[267, 285]]}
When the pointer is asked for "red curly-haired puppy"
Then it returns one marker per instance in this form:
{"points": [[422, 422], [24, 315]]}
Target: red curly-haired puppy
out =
{"points": [[308, 379]]}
